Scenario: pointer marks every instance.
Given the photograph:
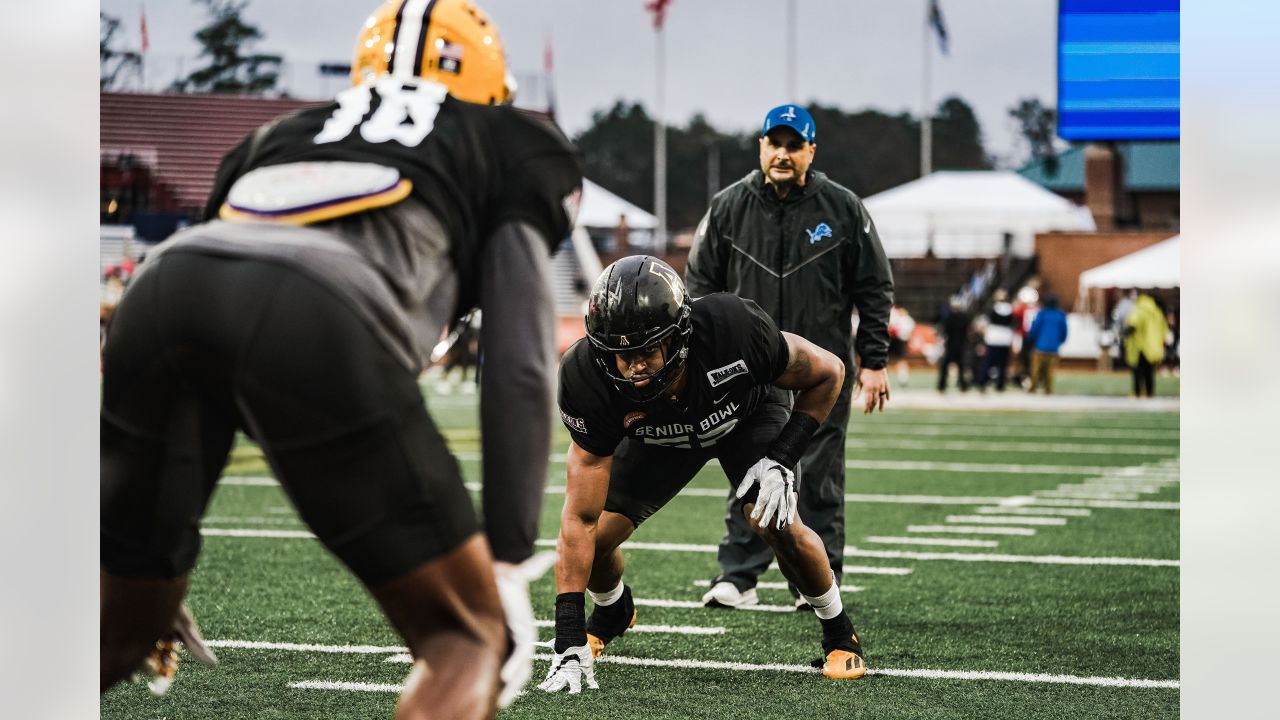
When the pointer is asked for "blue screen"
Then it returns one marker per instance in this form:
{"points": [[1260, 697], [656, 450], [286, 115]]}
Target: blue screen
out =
{"points": [[1118, 75]]}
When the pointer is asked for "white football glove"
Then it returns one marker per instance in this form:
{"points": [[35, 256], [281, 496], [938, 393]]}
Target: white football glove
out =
{"points": [[777, 497], [568, 669], [513, 588]]}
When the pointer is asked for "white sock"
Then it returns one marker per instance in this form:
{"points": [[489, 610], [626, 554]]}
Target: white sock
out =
{"points": [[827, 605], [608, 598]]}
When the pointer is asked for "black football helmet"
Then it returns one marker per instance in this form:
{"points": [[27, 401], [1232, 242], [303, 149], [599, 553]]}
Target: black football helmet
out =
{"points": [[636, 304]]}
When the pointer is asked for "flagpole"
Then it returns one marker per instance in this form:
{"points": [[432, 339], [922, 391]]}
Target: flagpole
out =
{"points": [[791, 52], [660, 147], [926, 112]]}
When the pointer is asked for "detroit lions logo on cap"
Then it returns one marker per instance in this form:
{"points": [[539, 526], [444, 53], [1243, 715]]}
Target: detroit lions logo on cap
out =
{"points": [[822, 231]]}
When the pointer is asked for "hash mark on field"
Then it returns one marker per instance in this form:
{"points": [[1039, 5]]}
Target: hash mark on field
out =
{"points": [[950, 542], [770, 585], [973, 675], [1085, 495], [1006, 520], [971, 530]]}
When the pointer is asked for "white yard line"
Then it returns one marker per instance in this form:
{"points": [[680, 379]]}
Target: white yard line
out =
{"points": [[248, 480], [771, 585], [251, 520], [993, 557], [971, 530], [1094, 421], [666, 629], [1003, 468], [982, 675], [1085, 495], [1032, 433], [1110, 504], [1006, 520], [849, 551], [1038, 448], [850, 497], [697, 604], [943, 542], [307, 647], [1072, 512], [255, 533]]}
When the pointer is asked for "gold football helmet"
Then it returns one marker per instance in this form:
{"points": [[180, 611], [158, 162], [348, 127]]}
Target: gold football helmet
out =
{"points": [[452, 42]]}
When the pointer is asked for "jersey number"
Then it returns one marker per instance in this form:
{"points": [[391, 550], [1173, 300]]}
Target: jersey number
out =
{"points": [[406, 112]]}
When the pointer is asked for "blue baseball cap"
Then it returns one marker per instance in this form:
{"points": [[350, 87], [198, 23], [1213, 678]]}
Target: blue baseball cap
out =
{"points": [[792, 116]]}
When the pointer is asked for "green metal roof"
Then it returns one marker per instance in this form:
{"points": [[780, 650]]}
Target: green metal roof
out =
{"points": [[1148, 165]]}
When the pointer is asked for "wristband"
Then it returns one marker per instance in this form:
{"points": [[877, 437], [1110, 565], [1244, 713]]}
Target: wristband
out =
{"points": [[571, 620], [792, 441]]}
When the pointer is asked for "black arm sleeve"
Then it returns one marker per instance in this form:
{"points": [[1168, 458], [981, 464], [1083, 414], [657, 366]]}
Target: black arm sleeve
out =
{"points": [[706, 271], [872, 293], [518, 337]]}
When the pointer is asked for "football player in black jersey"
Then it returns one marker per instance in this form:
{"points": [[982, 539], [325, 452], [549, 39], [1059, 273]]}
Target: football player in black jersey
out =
{"points": [[659, 386], [340, 242]]}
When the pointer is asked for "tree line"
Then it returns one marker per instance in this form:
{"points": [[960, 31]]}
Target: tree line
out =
{"points": [[867, 151]]}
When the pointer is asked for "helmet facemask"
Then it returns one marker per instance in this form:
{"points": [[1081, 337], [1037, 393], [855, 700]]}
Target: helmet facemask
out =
{"points": [[639, 303], [671, 340]]}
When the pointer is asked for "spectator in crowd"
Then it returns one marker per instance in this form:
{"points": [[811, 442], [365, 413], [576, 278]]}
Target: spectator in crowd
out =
{"points": [[1145, 330], [998, 338], [1047, 334], [1025, 308], [955, 333]]}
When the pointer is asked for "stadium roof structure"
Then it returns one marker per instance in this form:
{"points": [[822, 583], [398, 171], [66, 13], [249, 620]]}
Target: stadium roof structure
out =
{"points": [[181, 137], [1155, 266], [601, 208], [968, 214], [1148, 166]]}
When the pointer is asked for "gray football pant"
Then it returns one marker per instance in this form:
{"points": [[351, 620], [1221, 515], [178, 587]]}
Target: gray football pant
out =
{"points": [[744, 556]]}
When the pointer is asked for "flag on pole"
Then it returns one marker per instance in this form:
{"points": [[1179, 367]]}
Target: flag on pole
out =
{"points": [[548, 67], [935, 20], [659, 10], [142, 28]]}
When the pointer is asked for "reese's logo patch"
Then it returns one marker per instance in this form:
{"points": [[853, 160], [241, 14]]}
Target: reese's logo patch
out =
{"points": [[721, 375], [572, 422]]}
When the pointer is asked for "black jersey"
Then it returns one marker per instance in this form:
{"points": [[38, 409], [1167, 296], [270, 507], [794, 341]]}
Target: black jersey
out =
{"points": [[475, 167], [735, 354]]}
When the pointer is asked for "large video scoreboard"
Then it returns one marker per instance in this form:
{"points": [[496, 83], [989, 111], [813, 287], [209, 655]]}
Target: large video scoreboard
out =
{"points": [[1118, 74]]}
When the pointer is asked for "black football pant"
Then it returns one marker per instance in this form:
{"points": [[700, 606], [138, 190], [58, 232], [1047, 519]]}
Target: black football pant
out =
{"points": [[203, 345], [744, 556]]}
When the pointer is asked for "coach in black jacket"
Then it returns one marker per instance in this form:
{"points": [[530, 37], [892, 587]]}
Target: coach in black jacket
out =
{"points": [[805, 249]]}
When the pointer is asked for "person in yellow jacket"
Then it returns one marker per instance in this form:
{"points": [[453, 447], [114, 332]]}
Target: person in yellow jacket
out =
{"points": [[1145, 331]]}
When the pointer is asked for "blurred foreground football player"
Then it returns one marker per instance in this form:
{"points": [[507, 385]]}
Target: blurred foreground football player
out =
{"points": [[340, 242], [659, 386]]}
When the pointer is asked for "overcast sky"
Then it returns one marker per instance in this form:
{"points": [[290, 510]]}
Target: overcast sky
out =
{"points": [[725, 58]]}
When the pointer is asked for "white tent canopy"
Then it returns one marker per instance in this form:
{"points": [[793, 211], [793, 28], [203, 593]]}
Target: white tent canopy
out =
{"points": [[1155, 266], [601, 209], [968, 213]]}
